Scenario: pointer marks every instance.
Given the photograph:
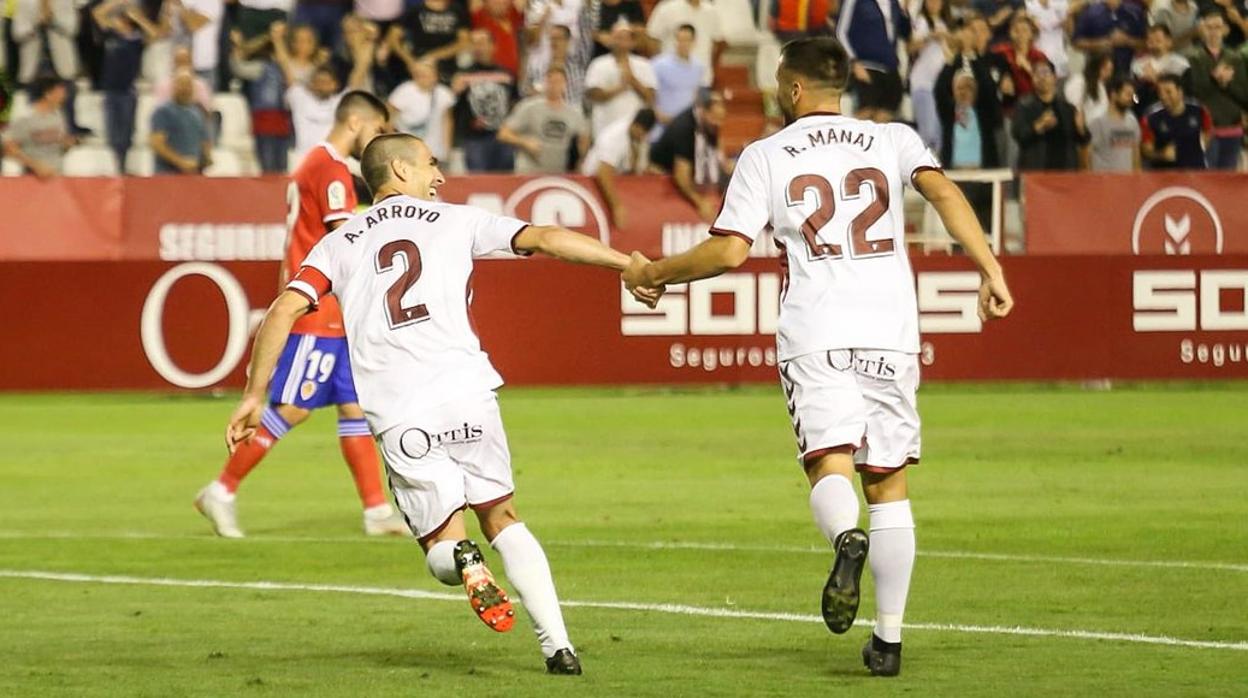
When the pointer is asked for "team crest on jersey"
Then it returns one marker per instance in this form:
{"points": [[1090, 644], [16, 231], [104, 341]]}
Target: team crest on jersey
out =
{"points": [[307, 390], [337, 195]]}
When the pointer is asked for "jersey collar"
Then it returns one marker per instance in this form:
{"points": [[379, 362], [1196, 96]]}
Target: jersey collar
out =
{"points": [[333, 153]]}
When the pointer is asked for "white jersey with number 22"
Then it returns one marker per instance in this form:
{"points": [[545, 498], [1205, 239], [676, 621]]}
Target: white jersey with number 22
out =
{"points": [[402, 272], [830, 187]]}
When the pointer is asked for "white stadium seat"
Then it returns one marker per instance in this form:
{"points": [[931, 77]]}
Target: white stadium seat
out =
{"points": [[225, 163], [143, 119], [10, 168], [21, 105], [90, 161], [89, 111], [140, 161], [235, 120]]}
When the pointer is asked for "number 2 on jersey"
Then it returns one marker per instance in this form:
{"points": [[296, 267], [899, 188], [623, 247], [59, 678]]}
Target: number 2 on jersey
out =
{"points": [[399, 315], [851, 189]]}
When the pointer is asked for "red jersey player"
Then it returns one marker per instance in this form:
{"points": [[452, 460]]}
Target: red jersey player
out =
{"points": [[314, 369]]}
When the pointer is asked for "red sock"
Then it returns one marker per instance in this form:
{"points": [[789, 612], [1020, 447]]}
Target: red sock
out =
{"points": [[361, 455], [246, 457]]}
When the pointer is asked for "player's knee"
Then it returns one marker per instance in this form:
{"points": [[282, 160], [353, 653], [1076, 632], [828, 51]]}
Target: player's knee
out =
{"points": [[293, 415], [496, 518], [836, 461], [890, 486], [351, 410]]}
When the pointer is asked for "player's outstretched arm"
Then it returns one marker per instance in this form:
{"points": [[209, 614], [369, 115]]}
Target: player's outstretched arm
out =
{"points": [[711, 257], [959, 218], [270, 339], [569, 246]]}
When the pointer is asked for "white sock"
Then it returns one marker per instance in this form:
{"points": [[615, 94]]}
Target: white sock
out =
{"points": [[834, 505], [529, 572], [892, 561], [379, 512], [440, 559]]}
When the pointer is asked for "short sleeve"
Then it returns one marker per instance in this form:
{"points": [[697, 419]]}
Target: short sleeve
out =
{"points": [[492, 234], [520, 117], [747, 202], [596, 75], [913, 156], [160, 121], [337, 196], [312, 281]]}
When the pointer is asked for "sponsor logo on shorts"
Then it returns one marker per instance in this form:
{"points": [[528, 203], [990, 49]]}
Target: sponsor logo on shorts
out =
{"points": [[416, 443], [875, 367]]}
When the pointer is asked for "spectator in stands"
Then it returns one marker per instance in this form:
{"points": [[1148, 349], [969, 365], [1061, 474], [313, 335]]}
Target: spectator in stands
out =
{"points": [[325, 17], [1115, 135], [485, 93], [382, 12], [796, 19], [1160, 59], [560, 40], [678, 77], [1018, 57], [1050, 17], [298, 51], [1174, 131], [1087, 90], [1181, 18], [966, 99], [539, 18], [1112, 25], [201, 21], [670, 15], [422, 107], [180, 137], [689, 151], [255, 17], [38, 140], [162, 91], [505, 24], [437, 30], [620, 83], [312, 106], [871, 34], [998, 14], [46, 25], [613, 12], [1047, 128], [932, 25], [543, 128], [1235, 12], [266, 94], [125, 31], [1219, 80], [623, 148]]}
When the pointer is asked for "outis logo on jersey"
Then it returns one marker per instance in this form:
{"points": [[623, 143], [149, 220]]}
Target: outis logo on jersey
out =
{"points": [[416, 443]]}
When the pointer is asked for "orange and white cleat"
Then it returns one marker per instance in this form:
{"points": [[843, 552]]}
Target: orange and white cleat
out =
{"points": [[488, 599]]}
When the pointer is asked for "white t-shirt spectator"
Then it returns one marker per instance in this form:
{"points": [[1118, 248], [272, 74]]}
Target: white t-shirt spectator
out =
{"points": [[566, 13], [613, 147], [1169, 64], [1050, 18], [931, 59], [1094, 105], [312, 117], [423, 114], [604, 73], [205, 48], [379, 10], [669, 15]]}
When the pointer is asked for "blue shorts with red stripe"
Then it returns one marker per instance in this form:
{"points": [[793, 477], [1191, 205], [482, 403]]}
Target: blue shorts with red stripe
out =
{"points": [[313, 372]]}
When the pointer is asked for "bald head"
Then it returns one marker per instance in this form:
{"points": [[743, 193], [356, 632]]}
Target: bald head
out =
{"points": [[400, 163]]}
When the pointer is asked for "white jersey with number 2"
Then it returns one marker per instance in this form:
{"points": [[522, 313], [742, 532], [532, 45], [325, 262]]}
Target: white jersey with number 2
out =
{"points": [[830, 187], [402, 272]]}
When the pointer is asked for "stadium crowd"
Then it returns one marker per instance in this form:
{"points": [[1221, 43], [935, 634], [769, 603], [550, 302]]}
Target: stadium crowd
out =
{"points": [[610, 87]]}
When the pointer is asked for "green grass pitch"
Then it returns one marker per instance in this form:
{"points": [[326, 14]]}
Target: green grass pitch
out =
{"points": [[1057, 511]]}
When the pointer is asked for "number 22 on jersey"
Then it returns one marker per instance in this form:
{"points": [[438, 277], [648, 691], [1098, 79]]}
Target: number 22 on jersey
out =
{"points": [[852, 189]]}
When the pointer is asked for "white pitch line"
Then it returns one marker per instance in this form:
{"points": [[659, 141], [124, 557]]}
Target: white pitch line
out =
{"points": [[673, 609], [665, 545]]}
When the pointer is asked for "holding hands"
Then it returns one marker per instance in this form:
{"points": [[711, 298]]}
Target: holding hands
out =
{"points": [[637, 281]]}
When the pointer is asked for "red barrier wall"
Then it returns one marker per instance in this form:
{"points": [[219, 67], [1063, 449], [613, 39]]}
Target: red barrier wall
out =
{"points": [[1148, 213], [174, 218], [162, 325]]}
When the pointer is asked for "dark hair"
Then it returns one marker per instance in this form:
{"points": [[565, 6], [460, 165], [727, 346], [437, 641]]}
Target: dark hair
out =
{"points": [[1173, 79], [1211, 10], [357, 101], [42, 85], [1163, 29], [377, 155], [945, 16], [645, 118], [820, 58], [1092, 71], [1116, 83], [688, 27]]}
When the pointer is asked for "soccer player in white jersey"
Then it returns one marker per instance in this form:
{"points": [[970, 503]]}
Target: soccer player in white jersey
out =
{"points": [[401, 271], [831, 188]]}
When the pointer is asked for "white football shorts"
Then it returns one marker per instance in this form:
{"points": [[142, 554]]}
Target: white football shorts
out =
{"points": [[441, 463], [862, 398]]}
